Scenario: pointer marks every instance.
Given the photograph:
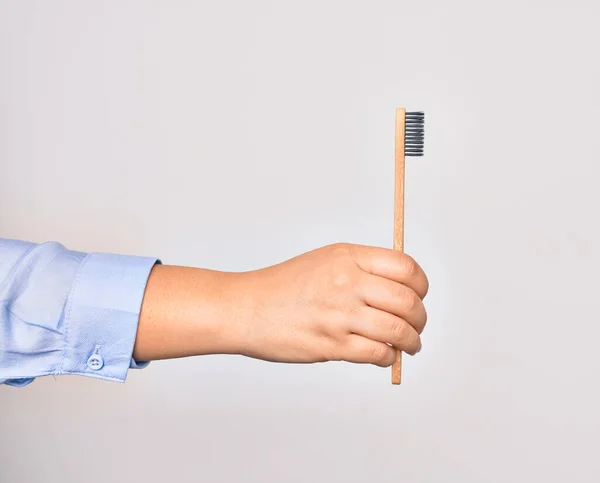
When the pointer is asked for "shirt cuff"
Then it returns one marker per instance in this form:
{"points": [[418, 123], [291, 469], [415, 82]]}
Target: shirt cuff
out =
{"points": [[102, 315]]}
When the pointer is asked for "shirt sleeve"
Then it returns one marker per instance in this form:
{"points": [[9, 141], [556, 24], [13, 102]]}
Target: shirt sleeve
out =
{"points": [[68, 312]]}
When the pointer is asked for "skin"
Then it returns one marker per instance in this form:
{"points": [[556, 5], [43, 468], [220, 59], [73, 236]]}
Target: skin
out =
{"points": [[341, 302]]}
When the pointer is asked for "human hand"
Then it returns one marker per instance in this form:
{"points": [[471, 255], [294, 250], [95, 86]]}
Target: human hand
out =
{"points": [[340, 302]]}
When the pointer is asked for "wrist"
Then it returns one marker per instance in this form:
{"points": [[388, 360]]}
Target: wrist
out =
{"points": [[187, 312]]}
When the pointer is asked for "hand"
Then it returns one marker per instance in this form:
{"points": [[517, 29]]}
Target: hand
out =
{"points": [[340, 302]]}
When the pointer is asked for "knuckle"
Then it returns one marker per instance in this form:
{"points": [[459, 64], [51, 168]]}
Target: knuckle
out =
{"points": [[379, 354], [398, 331], [410, 300], [342, 279], [331, 352], [409, 266], [354, 315], [341, 249], [343, 273], [411, 344]]}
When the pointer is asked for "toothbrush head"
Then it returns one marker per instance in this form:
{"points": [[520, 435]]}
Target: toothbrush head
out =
{"points": [[414, 133]]}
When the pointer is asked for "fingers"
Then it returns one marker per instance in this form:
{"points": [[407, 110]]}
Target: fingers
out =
{"points": [[384, 327], [393, 265], [366, 351], [395, 298]]}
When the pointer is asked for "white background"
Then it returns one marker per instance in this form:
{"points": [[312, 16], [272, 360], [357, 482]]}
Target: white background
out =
{"points": [[236, 134]]}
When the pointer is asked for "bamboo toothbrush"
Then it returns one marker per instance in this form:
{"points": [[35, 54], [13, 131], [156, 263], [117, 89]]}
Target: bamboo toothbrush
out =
{"points": [[409, 142]]}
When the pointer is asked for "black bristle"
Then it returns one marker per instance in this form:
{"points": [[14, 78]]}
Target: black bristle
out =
{"points": [[414, 133]]}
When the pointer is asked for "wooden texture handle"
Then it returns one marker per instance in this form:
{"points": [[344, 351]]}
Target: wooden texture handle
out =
{"points": [[399, 213]]}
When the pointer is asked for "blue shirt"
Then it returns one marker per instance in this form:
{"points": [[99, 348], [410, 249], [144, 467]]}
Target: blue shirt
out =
{"points": [[68, 312]]}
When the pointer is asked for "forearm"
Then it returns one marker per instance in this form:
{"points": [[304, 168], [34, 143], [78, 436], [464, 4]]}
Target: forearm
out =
{"points": [[186, 312]]}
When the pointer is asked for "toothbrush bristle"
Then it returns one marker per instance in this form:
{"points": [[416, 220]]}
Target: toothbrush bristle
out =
{"points": [[414, 133]]}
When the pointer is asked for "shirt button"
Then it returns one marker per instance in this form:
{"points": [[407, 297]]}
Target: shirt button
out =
{"points": [[95, 362]]}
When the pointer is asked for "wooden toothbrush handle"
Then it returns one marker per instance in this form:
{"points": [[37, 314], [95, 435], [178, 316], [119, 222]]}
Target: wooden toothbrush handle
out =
{"points": [[399, 212]]}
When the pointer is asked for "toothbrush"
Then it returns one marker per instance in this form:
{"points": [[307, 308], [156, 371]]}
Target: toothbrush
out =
{"points": [[410, 134]]}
